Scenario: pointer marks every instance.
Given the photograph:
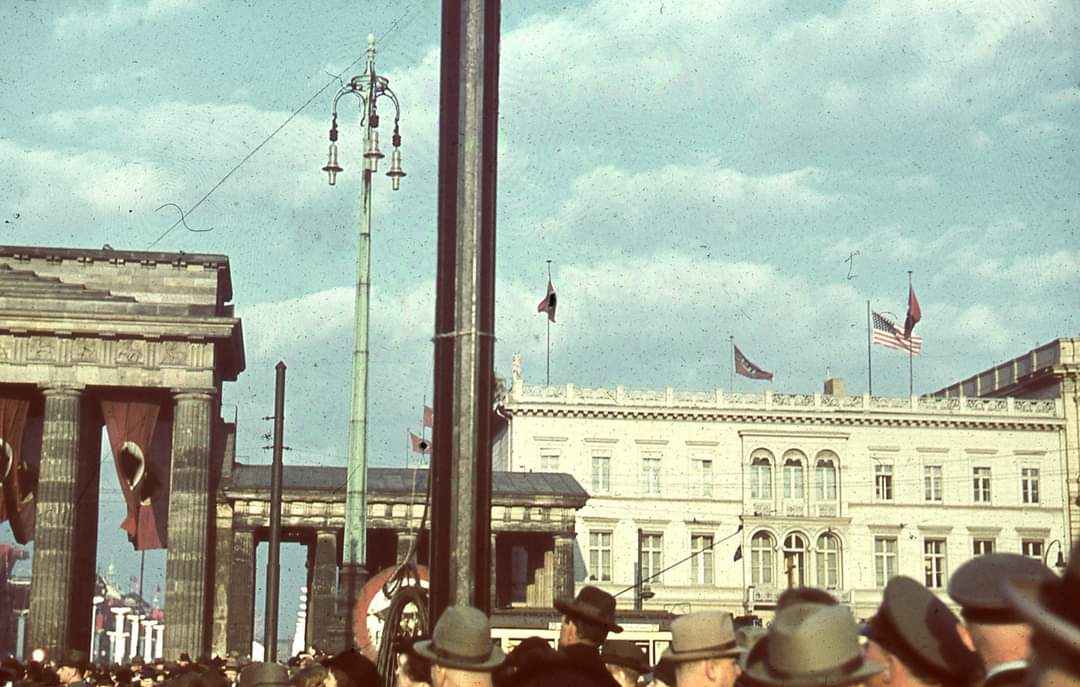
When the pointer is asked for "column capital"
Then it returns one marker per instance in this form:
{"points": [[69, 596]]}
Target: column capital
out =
{"points": [[193, 394], [61, 390]]}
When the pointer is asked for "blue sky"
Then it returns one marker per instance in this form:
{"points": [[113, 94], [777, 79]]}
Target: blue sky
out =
{"points": [[694, 170]]}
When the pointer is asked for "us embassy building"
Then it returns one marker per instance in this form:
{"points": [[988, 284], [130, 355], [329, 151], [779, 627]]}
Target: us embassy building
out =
{"points": [[723, 500]]}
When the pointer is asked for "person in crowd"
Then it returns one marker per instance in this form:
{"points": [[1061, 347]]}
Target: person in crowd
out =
{"points": [[625, 661], [749, 635], [460, 649], [703, 650], [663, 674], [71, 667], [808, 645], [811, 595], [314, 675], [413, 670], [231, 670], [351, 668], [1052, 606], [264, 674], [916, 638], [586, 621], [991, 626]]}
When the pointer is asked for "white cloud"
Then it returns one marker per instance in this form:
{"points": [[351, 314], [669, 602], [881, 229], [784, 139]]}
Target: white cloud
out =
{"points": [[118, 15]]}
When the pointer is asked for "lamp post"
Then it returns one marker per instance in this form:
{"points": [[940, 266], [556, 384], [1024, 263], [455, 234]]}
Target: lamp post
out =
{"points": [[1059, 565], [368, 88]]}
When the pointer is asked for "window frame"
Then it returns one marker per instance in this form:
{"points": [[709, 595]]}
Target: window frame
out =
{"points": [[882, 478], [761, 464], [703, 560], [651, 467], [1029, 485], [934, 483], [763, 559], [886, 559], [935, 562], [597, 551], [822, 555], [651, 555], [605, 462], [980, 484]]}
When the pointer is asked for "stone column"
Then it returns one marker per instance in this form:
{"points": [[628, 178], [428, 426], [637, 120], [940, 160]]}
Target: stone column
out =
{"points": [[84, 554], [493, 554], [54, 540], [159, 640], [322, 595], [188, 557], [133, 646], [241, 592], [117, 645], [563, 579], [148, 640]]}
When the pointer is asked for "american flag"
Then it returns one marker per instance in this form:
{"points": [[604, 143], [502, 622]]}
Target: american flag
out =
{"points": [[889, 335]]}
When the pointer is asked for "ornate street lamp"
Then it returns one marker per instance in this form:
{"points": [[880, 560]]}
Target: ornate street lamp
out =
{"points": [[368, 88]]}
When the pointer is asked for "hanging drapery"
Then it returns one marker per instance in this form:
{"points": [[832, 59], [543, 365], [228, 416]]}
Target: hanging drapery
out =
{"points": [[17, 504], [130, 424]]}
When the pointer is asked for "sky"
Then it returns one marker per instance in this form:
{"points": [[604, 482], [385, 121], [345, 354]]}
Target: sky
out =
{"points": [[694, 171]]}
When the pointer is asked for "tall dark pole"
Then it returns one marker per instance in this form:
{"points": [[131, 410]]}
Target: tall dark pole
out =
{"points": [[465, 306], [637, 575], [869, 355], [273, 563], [910, 346], [548, 318]]}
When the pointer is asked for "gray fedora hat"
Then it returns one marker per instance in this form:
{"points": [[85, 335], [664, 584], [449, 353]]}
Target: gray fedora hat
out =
{"points": [[702, 635], [462, 640], [809, 645]]}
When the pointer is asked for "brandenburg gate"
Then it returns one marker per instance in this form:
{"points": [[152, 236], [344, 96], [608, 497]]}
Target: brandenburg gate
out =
{"points": [[136, 344]]}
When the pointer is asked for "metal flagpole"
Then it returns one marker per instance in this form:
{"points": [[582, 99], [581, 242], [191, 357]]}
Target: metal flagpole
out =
{"points": [[910, 355], [548, 383], [869, 355]]}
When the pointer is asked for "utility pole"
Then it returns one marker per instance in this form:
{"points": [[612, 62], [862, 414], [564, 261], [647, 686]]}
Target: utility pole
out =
{"points": [[465, 307], [273, 561]]}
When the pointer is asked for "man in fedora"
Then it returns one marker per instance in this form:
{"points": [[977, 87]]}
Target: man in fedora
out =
{"points": [[262, 674], [1052, 606], [808, 645], [71, 667], [460, 649], [586, 622], [625, 661], [703, 650], [916, 638], [997, 633]]}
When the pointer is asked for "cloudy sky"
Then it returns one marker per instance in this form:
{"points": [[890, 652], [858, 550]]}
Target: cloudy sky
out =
{"points": [[693, 170]]}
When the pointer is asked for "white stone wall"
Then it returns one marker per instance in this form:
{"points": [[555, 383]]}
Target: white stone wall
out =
{"points": [[550, 432]]}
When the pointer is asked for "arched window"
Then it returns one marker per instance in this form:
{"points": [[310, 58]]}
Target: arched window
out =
{"points": [[828, 561], [761, 475], [762, 554], [825, 477], [795, 560], [793, 475]]}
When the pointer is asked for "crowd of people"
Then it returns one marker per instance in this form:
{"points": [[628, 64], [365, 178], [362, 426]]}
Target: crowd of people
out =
{"points": [[1019, 625]]}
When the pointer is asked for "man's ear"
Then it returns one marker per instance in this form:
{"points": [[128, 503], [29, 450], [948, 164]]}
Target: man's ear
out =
{"points": [[965, 636]]}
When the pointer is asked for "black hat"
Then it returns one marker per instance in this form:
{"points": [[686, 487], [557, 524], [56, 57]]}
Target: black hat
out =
{"points": [[1052, 605], [593, 605], [264, 675], [79, 660], [978, 585], [623, 652], [357, 666], [920, 630]]}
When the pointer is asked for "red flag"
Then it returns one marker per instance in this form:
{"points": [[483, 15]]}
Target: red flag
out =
{"points": [[744, 367], [429, 417], [548, 304], [914, 313], [419, 444]]}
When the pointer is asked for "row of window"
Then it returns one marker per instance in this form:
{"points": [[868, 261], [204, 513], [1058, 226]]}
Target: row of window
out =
{"points": [[933, 480], [786, 566], [792, 473]]}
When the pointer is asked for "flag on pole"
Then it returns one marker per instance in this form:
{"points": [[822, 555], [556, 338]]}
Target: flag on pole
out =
{"points": [[914, 313], [429, 417], [889, 335], [548, 303], [419, 444], [738, 553], [744, 367]]}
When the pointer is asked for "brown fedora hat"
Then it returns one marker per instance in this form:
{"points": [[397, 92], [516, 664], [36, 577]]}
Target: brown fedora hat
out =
{"points": [[462, 640], [593, 605], [1052, 605], [623, 652], [702, 635], [809, 645]]}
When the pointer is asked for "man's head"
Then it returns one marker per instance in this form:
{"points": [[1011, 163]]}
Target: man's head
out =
{"points": [[264, 675], [625, 661], [70, 668], [992, 627], [413, 670], [808, 645], [703, 650], [917, 638], [588, 618], [460, 648], [1052, 606]]}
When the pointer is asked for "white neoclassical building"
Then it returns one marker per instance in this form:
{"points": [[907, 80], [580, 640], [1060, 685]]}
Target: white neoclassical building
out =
{"points": [[830, 490]]}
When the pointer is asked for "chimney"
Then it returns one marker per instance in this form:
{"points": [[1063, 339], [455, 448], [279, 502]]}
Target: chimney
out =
{"points": [[836, 386]]}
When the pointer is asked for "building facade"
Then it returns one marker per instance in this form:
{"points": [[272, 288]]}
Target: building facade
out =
{"points": [[724, 500]]}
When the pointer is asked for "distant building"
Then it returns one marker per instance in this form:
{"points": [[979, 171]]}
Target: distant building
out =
{"points": [[836, 491]]}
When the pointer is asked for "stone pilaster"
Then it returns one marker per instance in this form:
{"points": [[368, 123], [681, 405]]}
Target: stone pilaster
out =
{"points": [[223, 560], [54, 538], [188, 556], [242, 592], [84, 565], [563, 578], [322, 595]]}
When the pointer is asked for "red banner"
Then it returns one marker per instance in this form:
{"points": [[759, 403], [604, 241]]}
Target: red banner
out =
{"points": [[18, 496], [130, 425]]}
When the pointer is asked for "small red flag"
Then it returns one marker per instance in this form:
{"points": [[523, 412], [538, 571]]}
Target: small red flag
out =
{"points": [[744, 367], [429, 417], [548, 303], [914, 313], [419, 444]]}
